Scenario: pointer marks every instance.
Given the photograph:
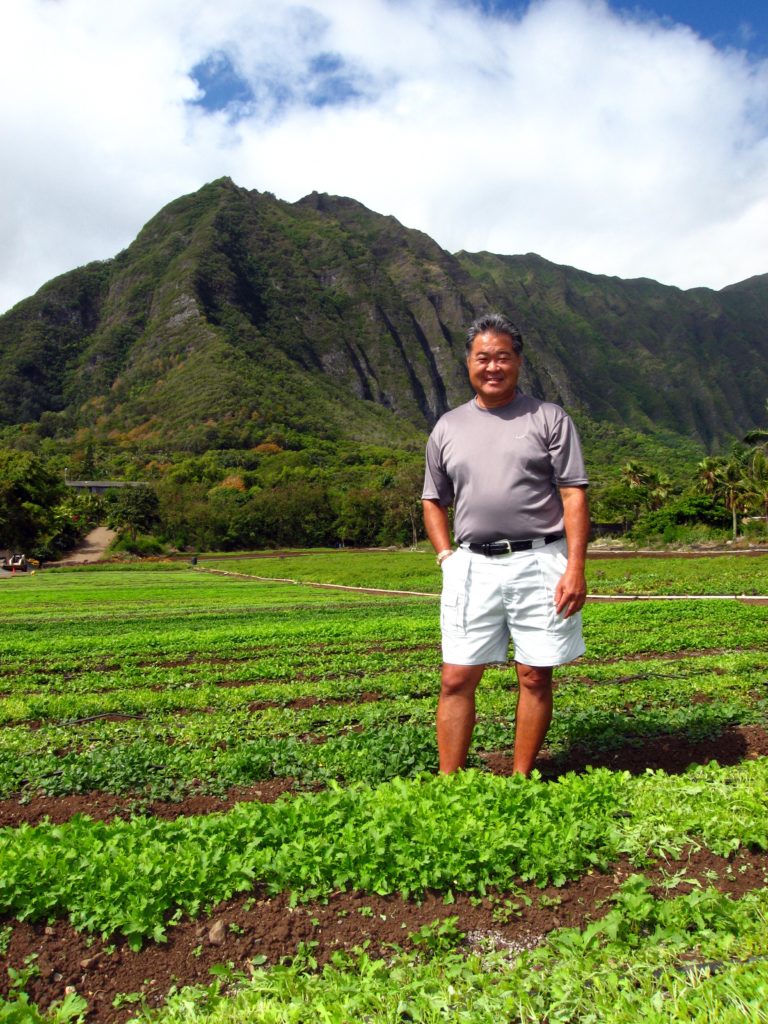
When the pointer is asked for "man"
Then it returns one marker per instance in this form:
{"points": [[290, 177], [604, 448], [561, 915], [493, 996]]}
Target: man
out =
{"points": [[512, 467]]}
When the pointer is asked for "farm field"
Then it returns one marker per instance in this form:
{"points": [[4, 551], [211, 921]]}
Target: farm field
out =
{"points": [[218, 802], [723, 574]]}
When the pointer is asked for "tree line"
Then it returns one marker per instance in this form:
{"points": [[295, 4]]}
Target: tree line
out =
{"points": [[326, 495], [724, 493], [377, 505]]}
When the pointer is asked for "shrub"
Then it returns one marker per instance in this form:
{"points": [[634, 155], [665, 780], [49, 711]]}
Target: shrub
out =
{"points": [[140, 545], [686, 520]]}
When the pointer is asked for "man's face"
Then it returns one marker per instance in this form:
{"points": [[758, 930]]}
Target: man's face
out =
{"points": [[494, 367]]}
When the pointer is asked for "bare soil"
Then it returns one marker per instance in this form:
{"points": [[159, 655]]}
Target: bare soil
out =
{"points": [[260, 926], [91, 549], [257, 925]]}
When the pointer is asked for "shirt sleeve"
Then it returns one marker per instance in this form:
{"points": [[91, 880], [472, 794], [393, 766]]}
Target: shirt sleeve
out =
{"points": [[437, 484], [565, 451]]}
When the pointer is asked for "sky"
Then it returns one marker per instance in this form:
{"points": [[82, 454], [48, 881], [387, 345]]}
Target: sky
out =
{"points": [[622, 138]]}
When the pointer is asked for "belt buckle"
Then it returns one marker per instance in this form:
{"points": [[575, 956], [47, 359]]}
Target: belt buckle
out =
{"points": [[492, 548]]}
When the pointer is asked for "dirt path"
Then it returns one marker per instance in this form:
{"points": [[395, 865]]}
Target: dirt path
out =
{"points": [[91, 549]]}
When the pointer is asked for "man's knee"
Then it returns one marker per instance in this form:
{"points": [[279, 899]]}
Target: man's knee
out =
{"points": [[460, 680], [534, 679]]}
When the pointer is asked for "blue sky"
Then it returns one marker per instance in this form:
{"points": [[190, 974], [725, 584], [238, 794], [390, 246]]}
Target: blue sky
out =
{"points": [[326, 82], [621, 138], [741, 23]]}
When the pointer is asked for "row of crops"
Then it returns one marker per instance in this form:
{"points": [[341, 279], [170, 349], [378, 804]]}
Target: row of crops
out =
{"points": [[168, 684]]}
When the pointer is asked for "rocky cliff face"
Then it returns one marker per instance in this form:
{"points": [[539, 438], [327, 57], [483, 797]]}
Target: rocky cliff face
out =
{"points": [[637, 352], [235, 315]]}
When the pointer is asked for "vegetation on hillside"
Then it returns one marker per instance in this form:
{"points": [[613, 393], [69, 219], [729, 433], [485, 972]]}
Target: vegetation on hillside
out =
{"points": [[331, 495], [271, 371], [236, 319], [39, 515]]}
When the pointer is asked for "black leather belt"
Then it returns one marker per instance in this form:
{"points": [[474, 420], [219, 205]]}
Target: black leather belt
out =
{"points": [[506, 547]]}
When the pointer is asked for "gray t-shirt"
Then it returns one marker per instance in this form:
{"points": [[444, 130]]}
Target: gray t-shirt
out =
{"points": [[502, 468]]}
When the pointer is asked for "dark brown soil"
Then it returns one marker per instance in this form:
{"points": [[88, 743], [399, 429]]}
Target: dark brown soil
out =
{"points": [[106, 806], [260, 926], [673, 754], [256, 926]]}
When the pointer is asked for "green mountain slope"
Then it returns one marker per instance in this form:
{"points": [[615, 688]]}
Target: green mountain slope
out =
{"points": [[236, 318], [636, 352]]}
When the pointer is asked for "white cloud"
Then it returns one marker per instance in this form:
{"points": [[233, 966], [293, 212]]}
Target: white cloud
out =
{"points": [[619, 146]]}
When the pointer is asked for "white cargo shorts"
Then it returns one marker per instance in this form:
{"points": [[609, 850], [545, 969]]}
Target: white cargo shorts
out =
{"points": [[489, 599]]}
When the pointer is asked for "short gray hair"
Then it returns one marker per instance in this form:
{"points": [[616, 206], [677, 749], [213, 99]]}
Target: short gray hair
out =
{"points": [[499, 324]]}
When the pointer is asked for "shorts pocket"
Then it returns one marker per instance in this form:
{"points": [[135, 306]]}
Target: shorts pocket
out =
{"points": [[453, 605], [453, 599], [552, 562]]}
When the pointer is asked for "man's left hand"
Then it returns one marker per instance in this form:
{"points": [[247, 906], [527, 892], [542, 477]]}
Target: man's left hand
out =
{"points": [[570, 593]]}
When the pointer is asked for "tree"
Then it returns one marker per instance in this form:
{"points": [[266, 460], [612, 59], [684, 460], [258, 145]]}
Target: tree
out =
{"points": [[617, 504], [685, 511], [756, 480], [359, 516], [734, 488], [134, 510], [29, 492], [757, 436], [636, 474], [709, 473], [659, 489], [724, 479], [403, 517], [289, 515]]}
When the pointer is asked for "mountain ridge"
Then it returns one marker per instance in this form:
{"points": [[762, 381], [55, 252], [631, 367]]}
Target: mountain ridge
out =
{"points": [[236, 318]]}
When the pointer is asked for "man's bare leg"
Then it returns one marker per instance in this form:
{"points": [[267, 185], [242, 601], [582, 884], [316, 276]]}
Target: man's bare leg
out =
{"points": [[456, 714], [534, 713]]}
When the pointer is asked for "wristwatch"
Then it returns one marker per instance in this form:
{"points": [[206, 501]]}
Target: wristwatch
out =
{"points": [[442, 555]]}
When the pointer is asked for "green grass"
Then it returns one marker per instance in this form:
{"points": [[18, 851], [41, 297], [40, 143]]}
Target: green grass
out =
{"points": [[416, 570], [717, 574], [399, 569]]}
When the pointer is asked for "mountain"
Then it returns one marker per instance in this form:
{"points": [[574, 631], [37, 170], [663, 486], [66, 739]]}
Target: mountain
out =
{"points": [[636, 352], [235, 319]]}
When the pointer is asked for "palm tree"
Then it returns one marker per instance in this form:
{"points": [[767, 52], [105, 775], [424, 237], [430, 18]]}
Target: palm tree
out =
{"points": [[758, 436], [756, 479], [660, 486], [756, 475], [636, 474], [709, 473], [734, 489]]}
